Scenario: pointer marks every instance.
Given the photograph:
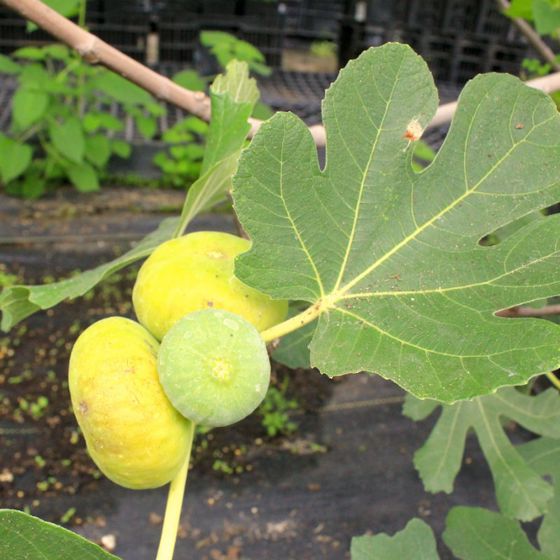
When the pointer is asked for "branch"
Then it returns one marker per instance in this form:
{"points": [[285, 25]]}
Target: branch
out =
{"points": [[530, 311], [96, 51]]}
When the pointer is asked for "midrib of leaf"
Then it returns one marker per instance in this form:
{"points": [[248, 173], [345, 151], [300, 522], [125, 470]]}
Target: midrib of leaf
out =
{"points": [[289, 215], [488, 545], [450, 288], [412, 345], [499, 453], [365, 173], [412, 236], [28, 541]]}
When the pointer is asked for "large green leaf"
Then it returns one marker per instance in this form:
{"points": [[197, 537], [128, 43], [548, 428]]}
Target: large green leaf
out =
{"points": [[479, 534], [18, 302], [26, 537], [390, 259], [520, 490], [416, 541], [543, 455]]}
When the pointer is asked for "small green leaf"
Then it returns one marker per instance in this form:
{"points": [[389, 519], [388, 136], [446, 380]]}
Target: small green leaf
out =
{"points": [[416, 541], [520, 491], [521, 9], [26, 537], [28, 107], [543, 455], [546, 15], [30, 53], [190, 79], [83, 176], [98, 150], [121, 90], [8, 66], [479, 534], [58, 52], [147, 126], [18, 302], [15, 158], [68, 139], [121, 148]]}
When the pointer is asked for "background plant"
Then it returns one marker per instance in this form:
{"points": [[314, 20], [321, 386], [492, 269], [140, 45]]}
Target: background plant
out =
{"points": [[180, 161], [62, 127]]}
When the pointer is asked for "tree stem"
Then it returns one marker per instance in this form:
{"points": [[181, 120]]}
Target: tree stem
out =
{"points": [[553, 379], [173, 507]]}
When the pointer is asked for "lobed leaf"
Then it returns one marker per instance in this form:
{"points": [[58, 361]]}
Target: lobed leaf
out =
{"points": [[476, 533], [389, 258], [520, 490], [543, 455], [416, 541]]}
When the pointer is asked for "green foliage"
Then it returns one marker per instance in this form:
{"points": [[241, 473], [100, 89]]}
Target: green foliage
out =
{"points": [[226, 47], [544, 13], [520, 490], [275, 409], [471, 533], [25, 536], [60, 130], [233, 97], [416, 541], [323, 49], [476, 534], [390, 259], [181, 162], [543, 455]]}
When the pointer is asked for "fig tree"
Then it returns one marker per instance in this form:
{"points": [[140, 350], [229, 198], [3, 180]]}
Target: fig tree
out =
{"points": [[214, 367], [132, 432], [195, 272]]}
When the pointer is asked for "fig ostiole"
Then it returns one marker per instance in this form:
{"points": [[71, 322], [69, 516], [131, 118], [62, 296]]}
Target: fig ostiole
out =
{"points": [[214, 367], [196, 272], [133, 433]]}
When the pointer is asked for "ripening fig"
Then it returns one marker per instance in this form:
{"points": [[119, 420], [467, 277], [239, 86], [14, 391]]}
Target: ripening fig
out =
{"points": [[214, 367], [132, 432], [196, 272]]}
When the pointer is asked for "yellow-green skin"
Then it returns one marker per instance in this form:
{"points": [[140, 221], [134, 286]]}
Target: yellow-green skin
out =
{"points": [[195, 272], [132, 432]]}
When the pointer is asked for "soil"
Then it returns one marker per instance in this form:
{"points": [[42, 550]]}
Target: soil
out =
{"points": [[345, 471]]}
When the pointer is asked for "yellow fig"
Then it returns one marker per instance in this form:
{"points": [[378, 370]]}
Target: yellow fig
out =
{"points": [[195, 272], [132, 432]]}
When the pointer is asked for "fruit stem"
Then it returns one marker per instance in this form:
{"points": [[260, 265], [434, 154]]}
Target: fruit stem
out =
{"points": [[292, 324], [554, 380], [174, 506]]}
